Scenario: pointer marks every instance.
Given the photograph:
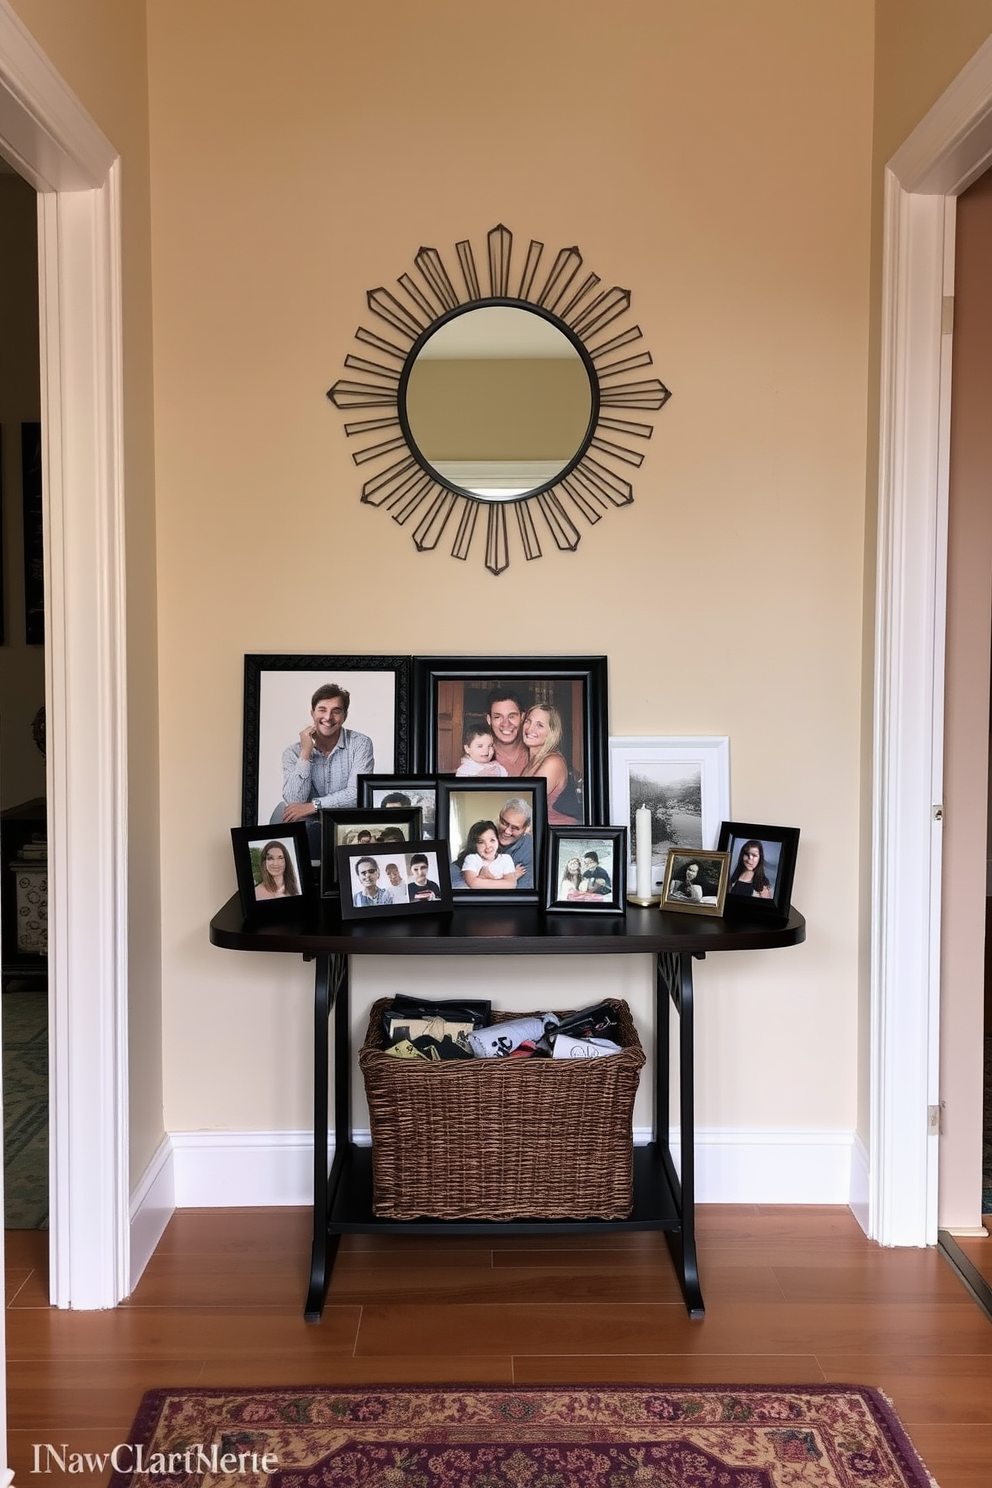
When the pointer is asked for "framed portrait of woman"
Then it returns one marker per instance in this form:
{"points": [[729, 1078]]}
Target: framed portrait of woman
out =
{"points": [[762, 867], [275, 877], [489, 718]]}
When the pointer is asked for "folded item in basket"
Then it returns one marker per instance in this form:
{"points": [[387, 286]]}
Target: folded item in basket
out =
{"points": [[444, 1048], [500, 1039], [403, 1026], [404, 1050], [596, 1021], [477, 1011], [567, 1047]]}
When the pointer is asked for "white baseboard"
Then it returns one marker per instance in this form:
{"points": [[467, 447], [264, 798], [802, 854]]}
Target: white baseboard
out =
{"points": [[733, 1166], [151, 1208]]}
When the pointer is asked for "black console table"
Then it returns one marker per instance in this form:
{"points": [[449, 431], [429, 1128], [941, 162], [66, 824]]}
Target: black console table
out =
{"points": [[342, 1190]]}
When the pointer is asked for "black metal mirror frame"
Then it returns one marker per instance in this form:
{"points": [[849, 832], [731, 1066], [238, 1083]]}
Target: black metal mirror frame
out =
{"points": [[409, 488]]}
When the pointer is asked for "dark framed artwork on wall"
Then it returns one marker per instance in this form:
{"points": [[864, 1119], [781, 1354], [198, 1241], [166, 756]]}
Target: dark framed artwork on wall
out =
{"points": [[312, 726], [486, 717], [762, 867], [34, 543]]}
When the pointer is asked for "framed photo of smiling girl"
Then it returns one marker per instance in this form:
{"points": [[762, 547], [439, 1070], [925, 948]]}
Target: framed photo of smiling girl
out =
{"points": [[494, 831], [488, 717], [762, 867]]}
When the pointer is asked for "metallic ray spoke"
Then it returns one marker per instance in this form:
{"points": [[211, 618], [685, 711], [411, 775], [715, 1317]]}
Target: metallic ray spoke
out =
{"points": [[500, 243], [469, 273], [619, 452], [345, 394], [466, 529], [527, 530], [393, 312], [497, 547], [431, 269], [429, 531], [562, 529]]}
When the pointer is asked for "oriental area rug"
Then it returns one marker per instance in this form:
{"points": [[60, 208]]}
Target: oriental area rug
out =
{"points": [[810, 1436]]}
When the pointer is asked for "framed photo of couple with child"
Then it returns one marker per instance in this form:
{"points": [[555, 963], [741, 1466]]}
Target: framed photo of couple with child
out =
{"points": [[516, 745]]}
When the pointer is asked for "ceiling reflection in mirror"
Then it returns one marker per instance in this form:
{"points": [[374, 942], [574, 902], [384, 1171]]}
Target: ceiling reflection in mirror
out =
{"points": [[514, 401], [498, 402]]}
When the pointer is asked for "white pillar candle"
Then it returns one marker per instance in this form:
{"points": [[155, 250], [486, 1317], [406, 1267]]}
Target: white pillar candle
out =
{"points": [[642, 852]]}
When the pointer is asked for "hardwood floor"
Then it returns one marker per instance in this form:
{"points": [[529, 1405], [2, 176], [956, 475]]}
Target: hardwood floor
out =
{"points": [[792, 1294]]}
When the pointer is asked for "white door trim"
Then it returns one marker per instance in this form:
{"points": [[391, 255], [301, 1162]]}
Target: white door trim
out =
{"points": [[47, 135], [946, 152]]}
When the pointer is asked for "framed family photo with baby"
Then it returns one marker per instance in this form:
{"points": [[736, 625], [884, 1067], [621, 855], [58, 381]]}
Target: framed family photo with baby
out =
{"points": [[491, 718]]}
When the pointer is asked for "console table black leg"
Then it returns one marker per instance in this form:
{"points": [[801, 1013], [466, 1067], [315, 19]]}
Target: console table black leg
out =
{"points": [[330, 989], [682, 1243]]}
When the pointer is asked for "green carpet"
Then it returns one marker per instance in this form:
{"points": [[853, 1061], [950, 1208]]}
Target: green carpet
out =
{"points": [[25, 1108]]}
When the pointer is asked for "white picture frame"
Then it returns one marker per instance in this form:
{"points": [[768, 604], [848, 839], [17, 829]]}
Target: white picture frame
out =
{"points": [[653, 772]]}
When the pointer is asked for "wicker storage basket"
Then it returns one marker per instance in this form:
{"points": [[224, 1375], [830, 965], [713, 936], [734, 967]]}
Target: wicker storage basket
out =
{"points": [[502, 1138]]}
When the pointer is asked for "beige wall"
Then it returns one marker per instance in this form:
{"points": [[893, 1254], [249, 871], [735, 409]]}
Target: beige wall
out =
{"points": [[22, 667], [700, 159], [99, 48]]}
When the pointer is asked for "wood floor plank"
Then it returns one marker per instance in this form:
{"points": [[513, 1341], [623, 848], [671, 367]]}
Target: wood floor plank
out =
{"points": [[671, 1369], [794, 1295], [978, 1249]]}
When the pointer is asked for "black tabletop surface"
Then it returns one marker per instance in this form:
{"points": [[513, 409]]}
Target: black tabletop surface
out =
{"points": [[517, 930]]}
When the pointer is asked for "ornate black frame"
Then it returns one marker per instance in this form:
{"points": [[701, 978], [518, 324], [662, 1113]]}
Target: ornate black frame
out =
{"points": [[591, 671], [256, 664], [591, 484]]}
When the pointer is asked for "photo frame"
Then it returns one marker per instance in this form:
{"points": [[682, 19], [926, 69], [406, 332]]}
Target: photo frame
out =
{"points": [[362, 827], [586, 870], [414, 790], [776, 865], [278, 693], [452, 694], [462, 804], [695, 881], [421, 884], [686, 782], [271, 889]]}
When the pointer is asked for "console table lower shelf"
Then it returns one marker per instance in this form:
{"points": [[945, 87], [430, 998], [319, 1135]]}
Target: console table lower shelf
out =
{"points": [[664, 1197]]}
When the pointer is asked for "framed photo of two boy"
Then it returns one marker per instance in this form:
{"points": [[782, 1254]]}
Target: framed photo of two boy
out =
{"points": [[492, 718]]}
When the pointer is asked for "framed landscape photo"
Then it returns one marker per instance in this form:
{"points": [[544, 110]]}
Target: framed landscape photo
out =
{"points": [[586, 870], [489, 717], [275, 877], [762, 867], [360, 703], [695, 881], [388, 882], [400, 792], [494, 837], [685, 783], [362, 826]]}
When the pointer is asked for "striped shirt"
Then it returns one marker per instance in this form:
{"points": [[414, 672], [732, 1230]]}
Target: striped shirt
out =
{"points": [[327, 779]]}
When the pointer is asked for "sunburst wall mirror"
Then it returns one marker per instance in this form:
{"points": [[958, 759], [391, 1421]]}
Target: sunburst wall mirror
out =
{"points": [[528, 400]]}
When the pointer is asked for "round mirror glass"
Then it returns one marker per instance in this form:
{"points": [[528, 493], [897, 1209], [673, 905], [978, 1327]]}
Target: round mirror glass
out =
{"points": [[498, 401]]}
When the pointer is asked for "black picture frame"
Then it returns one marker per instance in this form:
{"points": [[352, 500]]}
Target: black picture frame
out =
{"points": [[339, 822], [451, 692], [779, 850], [709, 881], [463, 802], [566, 843], [277, 696], [419, 790], [249, 844], [437, 875], [34, 541]]}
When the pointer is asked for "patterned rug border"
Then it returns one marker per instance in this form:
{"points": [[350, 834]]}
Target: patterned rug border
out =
{"points": [[880, 1408]]}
